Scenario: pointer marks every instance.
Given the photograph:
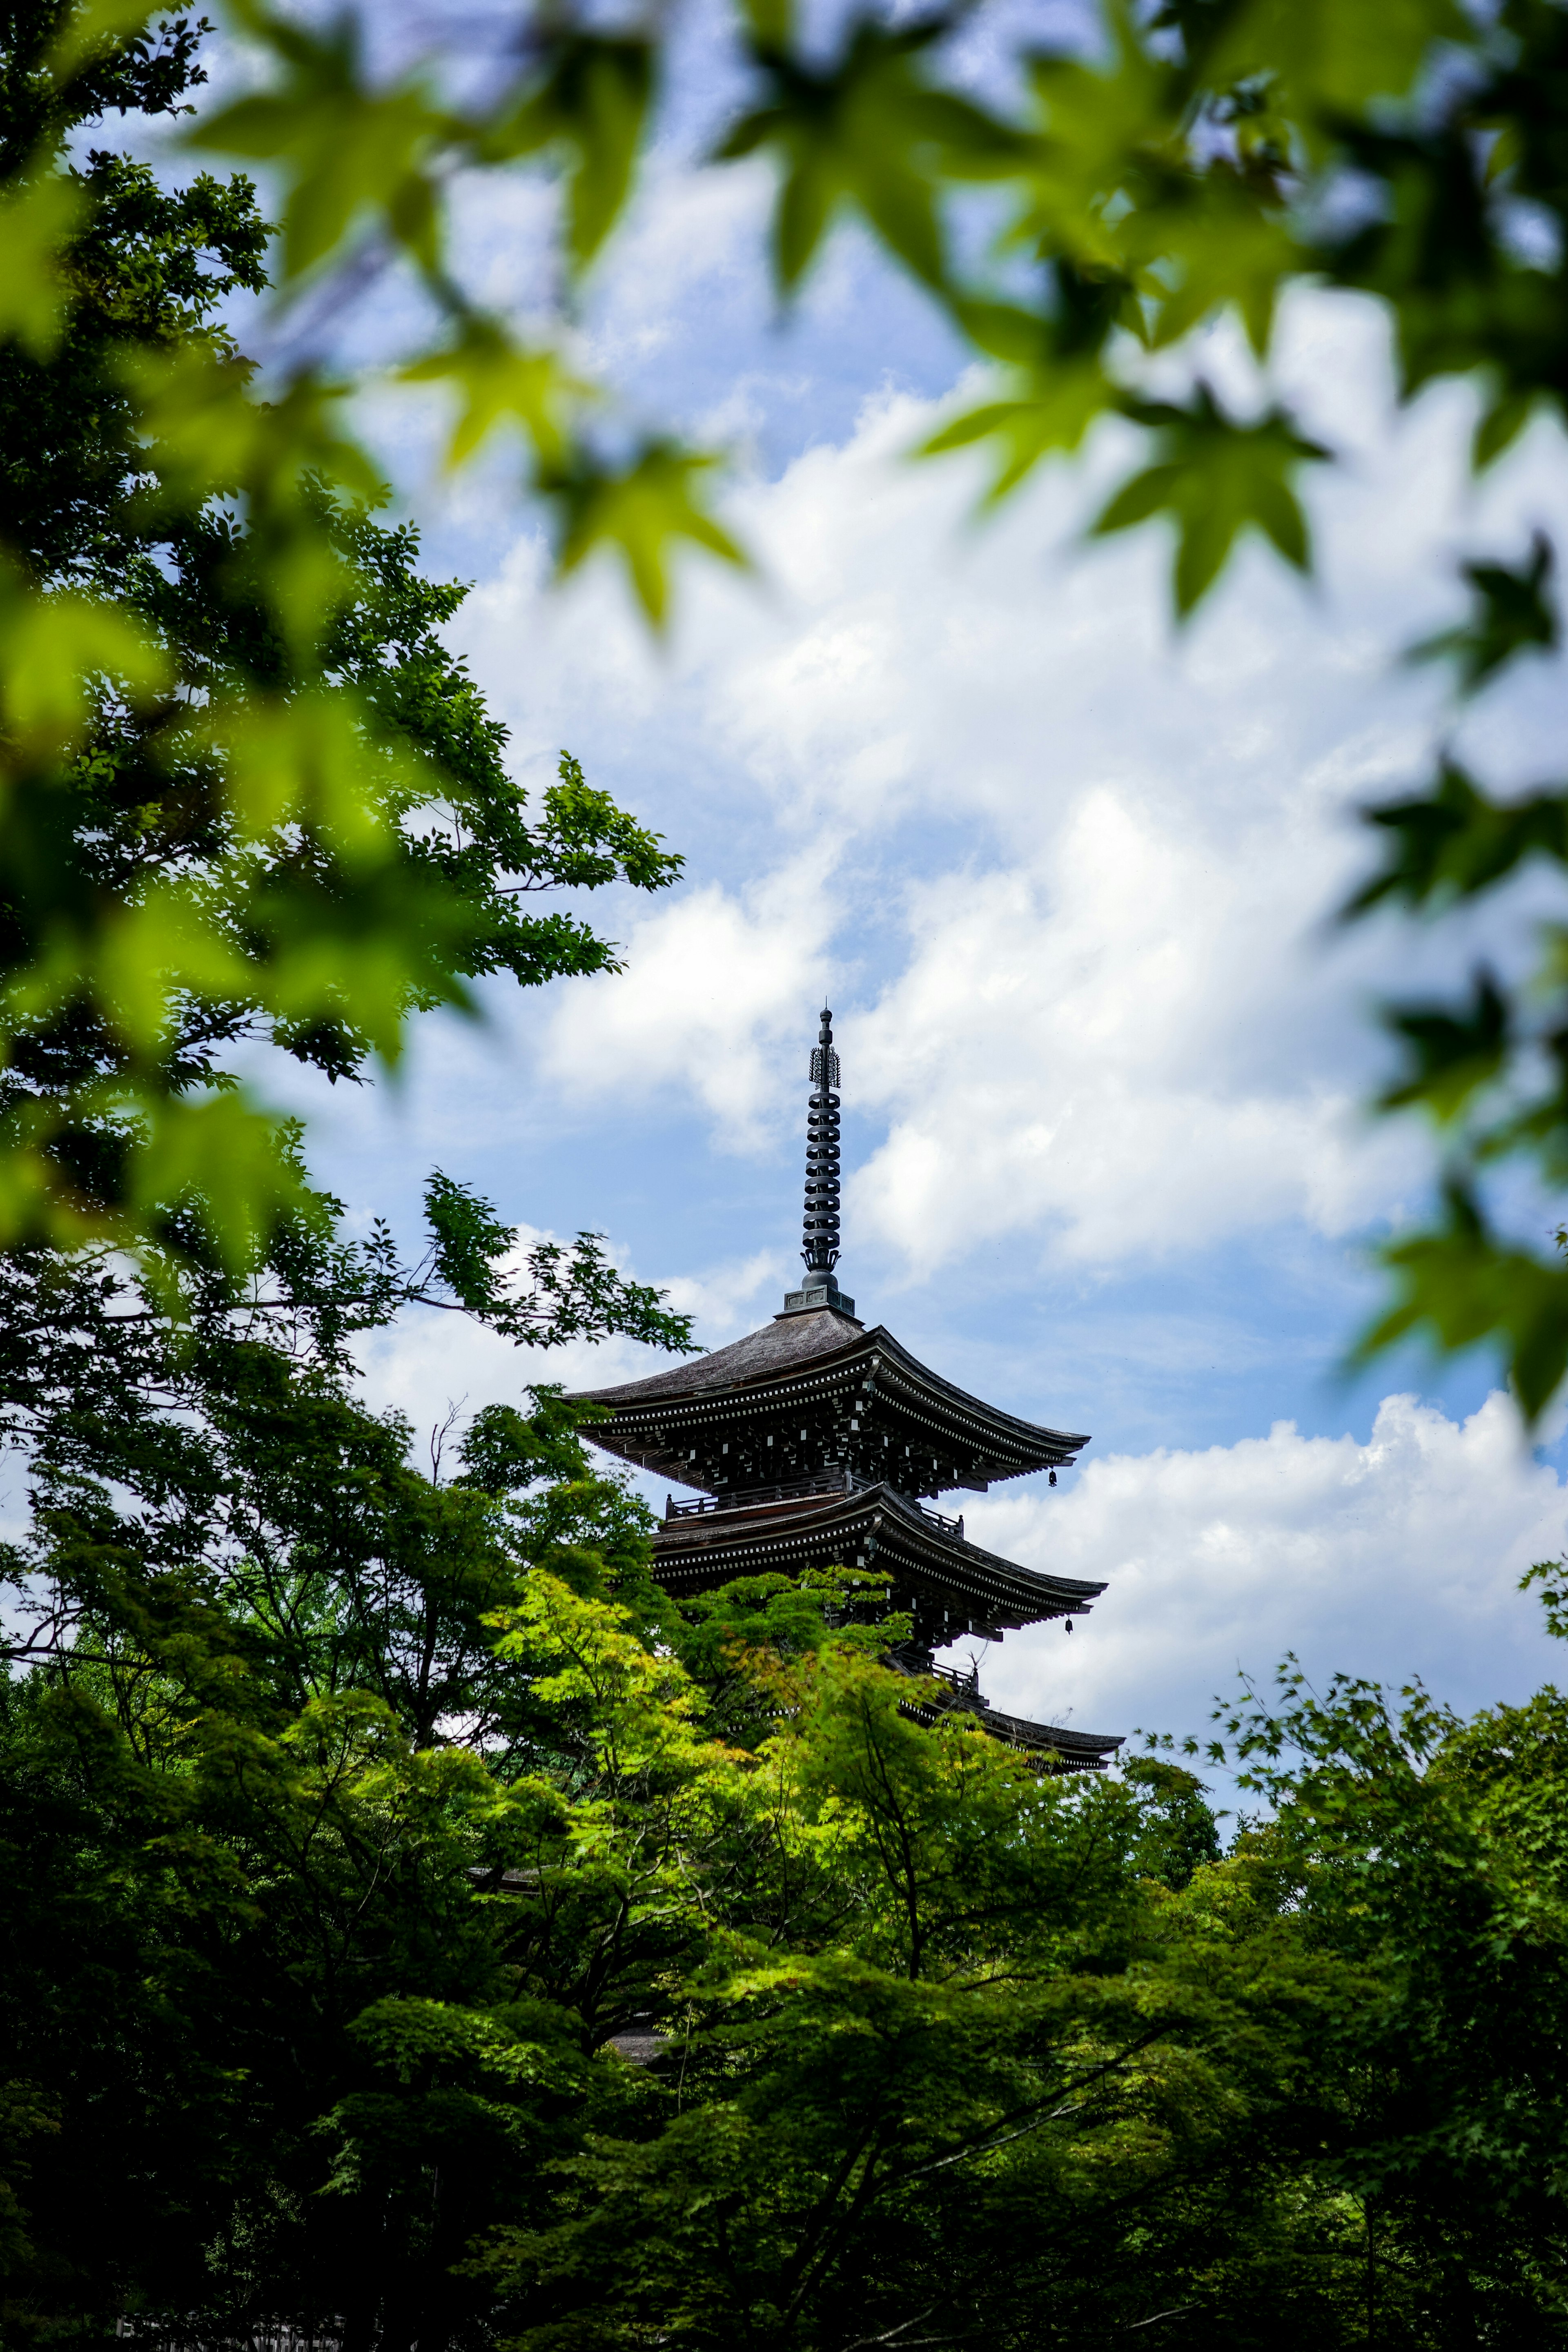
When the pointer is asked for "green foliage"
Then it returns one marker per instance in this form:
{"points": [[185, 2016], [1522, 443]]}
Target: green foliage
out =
{"points": [[155, 653], [870, 133], [1512, 614], [1434, 1851], [431, 1925]]}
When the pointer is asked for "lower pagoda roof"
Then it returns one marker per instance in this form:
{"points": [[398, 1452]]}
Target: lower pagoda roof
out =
{"points": [[1072, 1751], [949, 1586], [835, 1520], [814, 1387]]}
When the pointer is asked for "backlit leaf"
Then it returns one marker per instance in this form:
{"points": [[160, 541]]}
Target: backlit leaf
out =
{"points": [[344, 148], [53, 650], [1463, 1287], [1335, 56], [499, 382], [871, 133], [1051, 417], [1217, 480], [641, 512], [592, 100]]}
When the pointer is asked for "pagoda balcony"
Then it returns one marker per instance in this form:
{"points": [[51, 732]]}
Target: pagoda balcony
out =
{"points": [[789, 1490]]}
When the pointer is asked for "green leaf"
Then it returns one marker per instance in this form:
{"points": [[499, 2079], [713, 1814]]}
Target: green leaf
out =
{"points": [[1511, 614], [1552, 1575], [1219, 243], [221, 1159], [499, 382], [587, 839], [1458, 840], [342, 148], [313, 762], [1216, 479], [1334, 57], [639, 511], [1098, 133], [1052, 416], [871, 133], [1450, 1053], [593, 99], [1464, 1288], [91, 27], [1504, 420], [38, 220], [53, 650]]}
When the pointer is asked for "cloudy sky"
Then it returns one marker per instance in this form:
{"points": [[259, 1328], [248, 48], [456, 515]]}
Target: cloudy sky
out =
{"points": [[1063, 874]]}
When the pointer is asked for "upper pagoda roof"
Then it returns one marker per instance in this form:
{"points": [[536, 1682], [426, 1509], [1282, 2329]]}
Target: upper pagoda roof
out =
{"points": [[782, 1346], [819, 1355]]}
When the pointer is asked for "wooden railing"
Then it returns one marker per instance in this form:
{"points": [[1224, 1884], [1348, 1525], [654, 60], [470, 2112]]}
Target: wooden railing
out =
{"points": [[788, 1490]]}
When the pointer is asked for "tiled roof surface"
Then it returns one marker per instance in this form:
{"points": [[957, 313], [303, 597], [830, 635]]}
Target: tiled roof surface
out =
{"points": [[780, 1346]]}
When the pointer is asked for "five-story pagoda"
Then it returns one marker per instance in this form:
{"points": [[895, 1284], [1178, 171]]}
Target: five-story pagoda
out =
{"points": [[813, 1444]]}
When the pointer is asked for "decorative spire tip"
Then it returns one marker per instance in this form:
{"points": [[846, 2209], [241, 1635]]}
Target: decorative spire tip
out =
{"points": [[819, 1232]]}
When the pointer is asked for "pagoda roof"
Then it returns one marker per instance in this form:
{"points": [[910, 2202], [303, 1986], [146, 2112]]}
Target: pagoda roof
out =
{"points": [[1075, 1752], [811, 1349], [781, 1347], [857, 1525]]}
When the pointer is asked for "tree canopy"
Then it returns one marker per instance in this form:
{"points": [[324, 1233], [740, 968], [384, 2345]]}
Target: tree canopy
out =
{"points": [[439, 1937], [231, 819]]}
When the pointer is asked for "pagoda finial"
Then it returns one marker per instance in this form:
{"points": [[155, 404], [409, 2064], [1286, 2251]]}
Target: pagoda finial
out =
{"points": [[819, 1237]]}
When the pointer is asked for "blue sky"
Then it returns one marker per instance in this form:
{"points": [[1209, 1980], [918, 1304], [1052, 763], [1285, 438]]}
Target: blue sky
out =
{"points": [[1063, 874]]}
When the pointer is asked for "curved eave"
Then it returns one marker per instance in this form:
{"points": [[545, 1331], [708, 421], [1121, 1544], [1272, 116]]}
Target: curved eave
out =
{"points": [[876, 1523], [761, 1375], [1049, 1448], [1075, 1751]]}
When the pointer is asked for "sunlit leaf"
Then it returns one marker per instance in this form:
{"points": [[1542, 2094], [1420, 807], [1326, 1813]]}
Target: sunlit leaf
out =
{"points": [[91, 27], [222, 1157], [1335, 56], [54, 649], [345, 148], [1219, 245], [640, 511], [307, 761], [1097, 130], [499, 382], [870, 133], [1050, 419], [1463, 1287]]}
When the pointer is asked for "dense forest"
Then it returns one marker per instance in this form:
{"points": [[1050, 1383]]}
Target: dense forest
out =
{"points": [[418, 1929]]}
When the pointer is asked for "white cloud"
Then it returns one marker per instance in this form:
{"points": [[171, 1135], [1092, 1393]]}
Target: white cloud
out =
{"points": [[1096, 1011], [1397, 1556], [720, 980], [1077, 1048], [727, 1301]]}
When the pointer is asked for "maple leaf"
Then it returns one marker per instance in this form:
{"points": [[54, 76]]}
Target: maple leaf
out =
{"points": [[1215, 478]]}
